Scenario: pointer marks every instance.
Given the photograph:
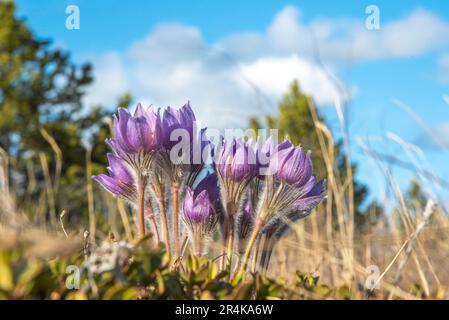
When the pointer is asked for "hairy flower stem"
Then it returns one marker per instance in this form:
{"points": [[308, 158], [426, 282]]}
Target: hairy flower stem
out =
{"points": [[256, 255], [175, 190], [160, 201], [257, 228], [141, 205]]}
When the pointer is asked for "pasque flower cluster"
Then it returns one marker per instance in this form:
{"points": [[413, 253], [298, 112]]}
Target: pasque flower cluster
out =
{"points": [[186, 188]]}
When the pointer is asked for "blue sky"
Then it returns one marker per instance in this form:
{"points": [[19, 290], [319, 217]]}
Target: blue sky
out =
{"points": [[212, 52]]}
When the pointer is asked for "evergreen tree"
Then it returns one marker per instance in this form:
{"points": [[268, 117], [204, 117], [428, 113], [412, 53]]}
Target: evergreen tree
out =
{"points": [[41, 93]]}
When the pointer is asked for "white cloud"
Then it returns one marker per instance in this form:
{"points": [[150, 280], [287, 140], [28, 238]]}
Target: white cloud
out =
{"points": [[245, 74], [339, 39], [273, 76], [110, 78]]}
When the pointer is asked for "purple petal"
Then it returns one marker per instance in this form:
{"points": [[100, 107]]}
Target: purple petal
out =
{"points": [[244, 162], [197, 208], [209, 183], [118, 170], [309, 185], [284, 145], [109, 184], [122, 124], [188, 202], [295, 167], [116, 147], [139, 112], [278, 159], [138, 134], [155, 122], [170, 122], [187, 113], [265, 152], [312, 198]]}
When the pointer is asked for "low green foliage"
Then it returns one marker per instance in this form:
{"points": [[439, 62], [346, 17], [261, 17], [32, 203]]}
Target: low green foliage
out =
{"points": [[145, 273]]}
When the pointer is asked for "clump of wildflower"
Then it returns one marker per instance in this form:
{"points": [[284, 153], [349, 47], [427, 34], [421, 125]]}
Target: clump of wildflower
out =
{"points": [[290, 188], [256, 189]]}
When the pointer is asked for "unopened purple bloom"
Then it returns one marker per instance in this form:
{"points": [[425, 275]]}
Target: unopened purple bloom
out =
{"points": [[136, 137], [197, 206], [292, 165], [200, 203], [237, 161], [186, 146], [138, 132], [174, 119], [199, 214], [119, 182], [291, 189]]}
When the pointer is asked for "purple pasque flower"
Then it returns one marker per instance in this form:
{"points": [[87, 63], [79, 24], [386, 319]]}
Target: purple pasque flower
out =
{"points": [[136, 137], [119, 182], [237, 160], [197, 206], [199, 211], [291, 185], [173, 119], [292, 166], [186, 148]]}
